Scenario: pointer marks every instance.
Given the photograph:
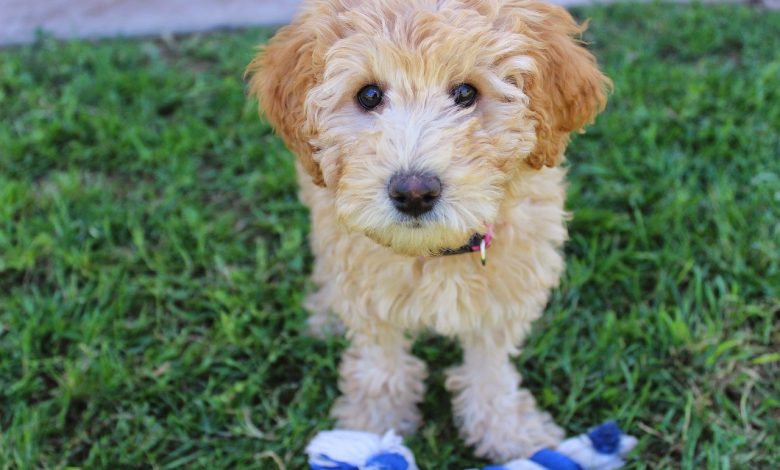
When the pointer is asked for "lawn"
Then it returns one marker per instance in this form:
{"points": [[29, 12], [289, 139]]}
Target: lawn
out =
{"points": [[153, 258]]}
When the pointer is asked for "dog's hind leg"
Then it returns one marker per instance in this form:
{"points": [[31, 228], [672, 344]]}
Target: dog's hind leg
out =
{"points": [[496, 416], [322, 320], [381, 382]]}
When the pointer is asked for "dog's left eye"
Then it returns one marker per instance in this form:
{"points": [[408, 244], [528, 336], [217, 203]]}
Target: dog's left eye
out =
{"points": [[370, 97], [464, 95]]}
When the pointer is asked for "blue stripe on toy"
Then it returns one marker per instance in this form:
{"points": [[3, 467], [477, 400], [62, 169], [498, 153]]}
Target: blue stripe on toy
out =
{"points": [[552, 460], [387, 461], [606, 438]]}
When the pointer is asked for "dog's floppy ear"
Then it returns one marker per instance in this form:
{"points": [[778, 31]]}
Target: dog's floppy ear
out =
{"points": [[567, 90], [281, 74]]}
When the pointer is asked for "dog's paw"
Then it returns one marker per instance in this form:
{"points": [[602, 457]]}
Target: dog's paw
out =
{"points": [[322, 321], [381, 389], [323, 325], [377, 415], [518, 436], [508, 427]]}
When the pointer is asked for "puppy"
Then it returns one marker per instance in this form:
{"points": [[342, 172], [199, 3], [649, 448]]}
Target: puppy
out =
{"points": [[428, 132]]}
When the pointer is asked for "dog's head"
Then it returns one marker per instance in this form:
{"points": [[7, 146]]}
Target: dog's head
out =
{"points": [[418, 114]]}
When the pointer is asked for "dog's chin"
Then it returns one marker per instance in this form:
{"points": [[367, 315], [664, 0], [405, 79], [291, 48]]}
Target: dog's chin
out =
{"points": [[417, 239]]}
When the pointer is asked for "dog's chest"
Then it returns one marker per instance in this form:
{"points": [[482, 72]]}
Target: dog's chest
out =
{"points": [[450, 295]]}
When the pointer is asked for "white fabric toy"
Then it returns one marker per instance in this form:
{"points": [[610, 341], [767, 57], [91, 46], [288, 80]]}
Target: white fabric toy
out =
{"points": [[603, 448]]}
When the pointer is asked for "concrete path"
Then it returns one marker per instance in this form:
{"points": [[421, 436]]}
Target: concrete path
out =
{"points": [[20, 19]]}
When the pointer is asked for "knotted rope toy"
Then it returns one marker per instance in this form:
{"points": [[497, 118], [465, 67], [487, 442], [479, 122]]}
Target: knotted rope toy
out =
{"points": [[355, 450], [603, 448]]}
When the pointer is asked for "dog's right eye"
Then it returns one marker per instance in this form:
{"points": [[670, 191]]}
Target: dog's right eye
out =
{"points": [[370, 97], [464, 95]]}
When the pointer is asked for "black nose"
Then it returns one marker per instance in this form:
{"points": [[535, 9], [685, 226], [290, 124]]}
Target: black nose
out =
{"points": [[414, 193]]}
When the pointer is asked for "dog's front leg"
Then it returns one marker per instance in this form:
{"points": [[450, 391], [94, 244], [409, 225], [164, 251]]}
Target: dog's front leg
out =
{"points": [[381, 383], [496, 416]]}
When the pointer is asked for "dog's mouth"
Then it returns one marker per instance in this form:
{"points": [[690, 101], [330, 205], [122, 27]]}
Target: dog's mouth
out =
{"points": [[479, 242]]}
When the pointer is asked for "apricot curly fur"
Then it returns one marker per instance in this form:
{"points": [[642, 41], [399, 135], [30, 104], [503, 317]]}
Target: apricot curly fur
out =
{"points": [[499, 164]]}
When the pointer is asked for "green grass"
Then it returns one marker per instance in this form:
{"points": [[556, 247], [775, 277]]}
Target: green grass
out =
{"points": [[153, 258]]}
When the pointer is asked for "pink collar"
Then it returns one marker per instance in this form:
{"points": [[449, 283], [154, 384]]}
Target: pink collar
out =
{"points": [[478, 242]]}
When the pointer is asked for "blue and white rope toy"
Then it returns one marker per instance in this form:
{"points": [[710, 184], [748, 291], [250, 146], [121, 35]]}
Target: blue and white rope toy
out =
{"points": [[355, 450], [603, 448]]}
